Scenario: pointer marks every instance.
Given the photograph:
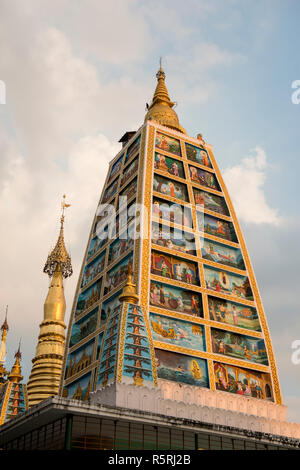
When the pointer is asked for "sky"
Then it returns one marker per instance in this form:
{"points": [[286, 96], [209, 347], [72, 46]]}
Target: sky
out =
{"points": [[77, 76]]}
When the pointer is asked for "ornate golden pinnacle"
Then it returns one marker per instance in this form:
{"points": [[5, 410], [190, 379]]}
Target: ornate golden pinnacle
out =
{"points": [[59, 258], [129, 290], [160, 109], [5, 327]]}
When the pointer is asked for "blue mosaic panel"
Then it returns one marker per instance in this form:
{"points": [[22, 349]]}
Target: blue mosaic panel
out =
{"points": [[179, 333], [109, 357], [79, 359], [83, 327], [115, 168], [88, 298], [79, 389]]}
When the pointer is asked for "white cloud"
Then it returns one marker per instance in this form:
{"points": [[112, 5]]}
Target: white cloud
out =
{"points": [[246, 186], [30, 207]]}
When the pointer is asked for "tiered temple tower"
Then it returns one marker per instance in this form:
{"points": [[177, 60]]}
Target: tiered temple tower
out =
{"points": [[13, 393], [47, 363], [196, 322]]}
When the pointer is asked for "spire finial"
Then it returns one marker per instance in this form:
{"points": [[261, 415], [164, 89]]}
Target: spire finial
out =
{"points": [[59, 258], [129, 290], [63, 207], [5, 327], [160, 109]]}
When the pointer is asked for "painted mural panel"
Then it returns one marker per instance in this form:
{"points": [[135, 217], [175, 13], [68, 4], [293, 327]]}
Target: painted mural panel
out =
{"points": [[104, 213], [137, 366], [205, 178], [244, 382], [168, 165], [174, 268], [167, 143], [173, 239], [110, 192], [115, 168], [79, 359], [108, 306], [176, 299], [222, 254], [198, 155], [96, 244], [170, 187], [217, 227], [210, 201], [129, 171], [104, 224], [83, 327], [93, 269], [239, 346], [117, 274], [128, 192], [89, 297], [232, 313], [170, 212], [122, 244], [79, 389], [133, 148], [181, 368], [227, 283], [177, 332], [127, 214]]}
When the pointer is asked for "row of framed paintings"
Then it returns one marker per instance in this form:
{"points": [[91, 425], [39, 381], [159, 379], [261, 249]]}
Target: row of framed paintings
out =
{"points": [[187, 302], [173, 167], [182, 369]]}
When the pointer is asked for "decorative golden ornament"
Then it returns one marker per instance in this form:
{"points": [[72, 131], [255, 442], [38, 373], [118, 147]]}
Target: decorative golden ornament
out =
{"points": [[59, 257], [129, 290]]}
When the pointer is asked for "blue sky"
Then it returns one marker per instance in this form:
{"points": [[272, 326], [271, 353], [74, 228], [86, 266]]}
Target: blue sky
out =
{"points": [[78, 75]]}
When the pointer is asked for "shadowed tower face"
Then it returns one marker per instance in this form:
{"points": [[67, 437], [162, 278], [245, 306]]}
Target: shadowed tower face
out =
{"points": [[165, 214], [47, 363]]}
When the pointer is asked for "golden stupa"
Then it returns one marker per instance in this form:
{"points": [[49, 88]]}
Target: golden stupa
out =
{"points": [[47, 363]]}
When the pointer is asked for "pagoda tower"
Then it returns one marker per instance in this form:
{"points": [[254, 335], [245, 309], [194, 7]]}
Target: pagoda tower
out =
{"points": [[194, 320], [4, 329], [13, 393], [47, 363]]}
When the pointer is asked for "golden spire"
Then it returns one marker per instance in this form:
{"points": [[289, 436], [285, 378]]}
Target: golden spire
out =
{"points": [[47, 363], [129, 290], [4, 329], [59, 257], [160, 109], [15, 374]]}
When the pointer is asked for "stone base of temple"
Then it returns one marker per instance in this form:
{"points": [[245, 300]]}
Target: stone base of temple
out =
{"points": [[61, 423], [190, 402]]}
